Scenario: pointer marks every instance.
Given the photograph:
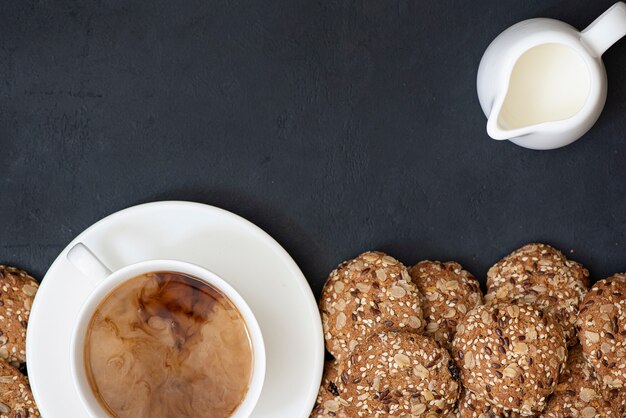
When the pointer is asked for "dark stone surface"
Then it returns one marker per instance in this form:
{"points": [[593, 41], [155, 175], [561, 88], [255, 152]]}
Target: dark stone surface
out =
{"points": [[336, 126]]}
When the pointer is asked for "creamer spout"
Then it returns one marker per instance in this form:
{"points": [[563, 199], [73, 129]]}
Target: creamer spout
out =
{"points": [[494, 129]]}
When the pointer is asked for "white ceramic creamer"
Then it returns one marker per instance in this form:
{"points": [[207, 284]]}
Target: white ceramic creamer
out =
{"points": [[542, 83]]}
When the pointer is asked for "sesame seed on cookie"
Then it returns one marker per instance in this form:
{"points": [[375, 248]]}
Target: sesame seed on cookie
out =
{"points": [[17, 292], [399, 373], [328, 403], [448, 293], [16, 399], [577, 394], [473, 406], [370, 292], [602, 333], [540, 275], [511, 355]]}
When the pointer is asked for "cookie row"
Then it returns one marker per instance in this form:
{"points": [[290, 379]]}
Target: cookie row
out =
{"points": [[374, 290], [373, 311], [511, 353], [542, 277]]}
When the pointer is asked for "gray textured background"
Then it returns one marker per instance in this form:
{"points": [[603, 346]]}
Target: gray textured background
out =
{"points": [[337, 126]]}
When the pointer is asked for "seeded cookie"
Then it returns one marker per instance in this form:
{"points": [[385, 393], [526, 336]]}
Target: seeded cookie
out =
{"points": [[17, 291], [329, 404], [577, 394], [540, 275], [602, 331], [448, 293], [369, 292], [510, 354], [472, 406], [399, 373], [16, 399]]}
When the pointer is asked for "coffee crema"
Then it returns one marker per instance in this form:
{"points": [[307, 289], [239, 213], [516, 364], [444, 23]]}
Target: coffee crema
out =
{"points": [[165, 345]]}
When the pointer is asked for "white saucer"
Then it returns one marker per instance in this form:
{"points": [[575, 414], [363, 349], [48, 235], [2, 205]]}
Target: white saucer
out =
{"points": [[235, 249]]}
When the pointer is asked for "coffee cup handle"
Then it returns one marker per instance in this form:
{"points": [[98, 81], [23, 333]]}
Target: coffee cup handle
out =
{"points": [[81, 257]]}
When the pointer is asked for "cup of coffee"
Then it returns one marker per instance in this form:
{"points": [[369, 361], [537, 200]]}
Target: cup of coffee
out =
{"points": [[164, 338]]}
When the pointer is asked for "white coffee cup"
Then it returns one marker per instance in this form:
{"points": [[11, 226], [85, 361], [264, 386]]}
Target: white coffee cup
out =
{"points": [[104, 281]]}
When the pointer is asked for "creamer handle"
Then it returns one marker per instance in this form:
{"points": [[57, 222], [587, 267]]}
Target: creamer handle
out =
{"points": [[88, 263], [606, 30]]}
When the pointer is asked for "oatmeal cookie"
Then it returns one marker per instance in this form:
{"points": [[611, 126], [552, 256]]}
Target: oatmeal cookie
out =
{"points": [[472, 406], [329, 404], [399, 373], [364, 294], [448, 293], [17, 291], [577, 394], [541, 275], [602, 332], [511, 355], [16, 399]]}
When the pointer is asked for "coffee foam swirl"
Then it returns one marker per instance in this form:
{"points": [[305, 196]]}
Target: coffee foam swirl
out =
{"points": [[167, 345]]}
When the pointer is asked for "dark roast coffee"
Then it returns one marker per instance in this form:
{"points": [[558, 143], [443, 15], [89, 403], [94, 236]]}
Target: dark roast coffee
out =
{"points": [[166, 345]]}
